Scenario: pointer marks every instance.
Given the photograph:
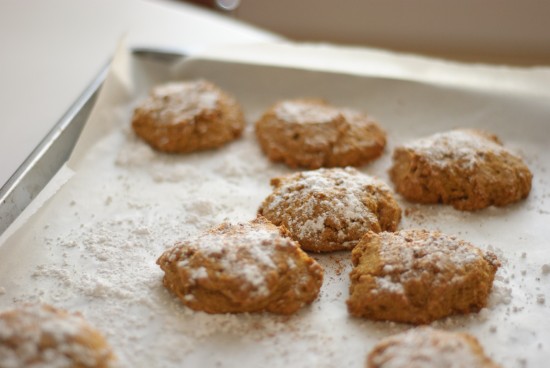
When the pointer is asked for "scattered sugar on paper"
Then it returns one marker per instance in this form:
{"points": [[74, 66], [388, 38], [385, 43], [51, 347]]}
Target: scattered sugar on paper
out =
{"points": [[110, 265], [456, 146]]}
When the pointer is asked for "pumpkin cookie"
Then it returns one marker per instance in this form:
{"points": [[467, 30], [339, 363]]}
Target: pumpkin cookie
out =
{"points": [[418, 276], [249, 267], [425, 347], [188, 116], [468, 169], [43, 336], [331, 209], [314, 134]]}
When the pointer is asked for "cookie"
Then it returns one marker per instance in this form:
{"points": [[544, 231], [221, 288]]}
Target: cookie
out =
{"points": [[418, 276], [188, 116], [44, 336], [313, 134], [468, 169], [425, 347], [247, 267], [330, 209]]}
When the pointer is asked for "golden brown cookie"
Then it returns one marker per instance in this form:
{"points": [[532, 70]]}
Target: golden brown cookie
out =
{"points": [[188, 116], [330, 209], [314, 134], [425, 347], [418, 276], [43, 336], [250, 267], [466, 168]]}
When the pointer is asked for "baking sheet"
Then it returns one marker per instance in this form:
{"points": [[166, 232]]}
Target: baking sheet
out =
{"points": [[92, 246]]}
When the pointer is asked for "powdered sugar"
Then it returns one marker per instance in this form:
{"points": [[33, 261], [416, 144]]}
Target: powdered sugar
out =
{"points": [[173, 102], [407, 256], [304, 112], [428, 348], [462, 147], [323, 199], [245, 254], [44, 337], [386, 284]]}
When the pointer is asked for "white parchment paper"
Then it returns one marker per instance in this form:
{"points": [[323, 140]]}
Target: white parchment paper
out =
{"points": [[92, 246]]}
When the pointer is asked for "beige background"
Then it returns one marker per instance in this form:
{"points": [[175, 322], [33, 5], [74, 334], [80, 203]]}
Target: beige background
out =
{"points": [[508, 31]]}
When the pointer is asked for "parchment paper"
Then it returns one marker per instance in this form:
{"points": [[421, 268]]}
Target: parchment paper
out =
{"points": [[92, 246]]}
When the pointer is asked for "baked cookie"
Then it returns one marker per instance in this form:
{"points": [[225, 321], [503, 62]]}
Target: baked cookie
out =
{"points": [[330, 209], [188, 116], [418, 276], [43, 336], [250, 267], [466, 168], [425, 347], [314, 134]]}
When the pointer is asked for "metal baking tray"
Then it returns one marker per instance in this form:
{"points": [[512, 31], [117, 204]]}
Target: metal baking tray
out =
{"points": [[56, 147]]}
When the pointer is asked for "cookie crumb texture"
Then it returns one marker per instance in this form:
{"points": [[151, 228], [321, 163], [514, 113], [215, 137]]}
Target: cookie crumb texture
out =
{"points": [[249, 267], [418, 276], [331, 209], [469, 169], [183, 117], [425, 347], [313, 134], [43, 336]]}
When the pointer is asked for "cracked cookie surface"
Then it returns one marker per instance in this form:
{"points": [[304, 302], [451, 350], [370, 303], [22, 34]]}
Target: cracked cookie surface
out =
{"points": [[246, 267], [418, 276], [44, 336], [310, 133], [182, 117], [330, 209], [426, 347], [466, 168]]}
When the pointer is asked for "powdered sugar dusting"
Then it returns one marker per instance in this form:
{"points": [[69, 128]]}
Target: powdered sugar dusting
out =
{"points": [[388, 285], [463, 147], [323, 199], [39, 336], [304, 112], [406, 257], [246, 254], [174, 102], [428, 348]]}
